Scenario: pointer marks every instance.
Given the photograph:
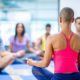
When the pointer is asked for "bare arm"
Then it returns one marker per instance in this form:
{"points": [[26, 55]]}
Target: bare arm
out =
{"points": [[29, 47], [47, 56], [10, 47], [38, 43], [79, 59], [78, 45]]}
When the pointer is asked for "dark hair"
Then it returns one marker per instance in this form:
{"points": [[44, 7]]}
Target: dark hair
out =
{"points": [[67, 14], [23, 32], [77, 18], [48, 25]]}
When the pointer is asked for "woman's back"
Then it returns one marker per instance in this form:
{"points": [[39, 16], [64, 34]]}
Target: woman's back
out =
{"points": [[65, 53]]}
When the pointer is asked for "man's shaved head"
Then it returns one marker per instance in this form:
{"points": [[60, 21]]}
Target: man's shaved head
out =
{"points": [[67, 14], [78, 18], [77, 24]]}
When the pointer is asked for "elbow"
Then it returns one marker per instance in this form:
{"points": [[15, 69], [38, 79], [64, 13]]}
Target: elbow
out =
{"points": [[45, 65]]}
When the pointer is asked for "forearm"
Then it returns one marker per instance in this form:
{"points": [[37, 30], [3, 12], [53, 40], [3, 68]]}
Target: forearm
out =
{"points": [[31, 49], [37, 46], [10, 49], [78, 60], [37, 63]]}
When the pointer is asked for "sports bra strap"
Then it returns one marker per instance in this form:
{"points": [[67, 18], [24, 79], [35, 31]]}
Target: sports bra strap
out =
{"points": [[68, 39], [71, 36]]}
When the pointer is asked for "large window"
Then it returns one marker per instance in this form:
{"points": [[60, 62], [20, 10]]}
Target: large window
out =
{"points": [[35, 14]]}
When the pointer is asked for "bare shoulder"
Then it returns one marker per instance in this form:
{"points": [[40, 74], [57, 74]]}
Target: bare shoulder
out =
{"points": [[52, 38], [77, 37]]}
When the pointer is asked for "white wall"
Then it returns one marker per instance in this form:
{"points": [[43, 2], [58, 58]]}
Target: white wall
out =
{"points": [[74, 4]]}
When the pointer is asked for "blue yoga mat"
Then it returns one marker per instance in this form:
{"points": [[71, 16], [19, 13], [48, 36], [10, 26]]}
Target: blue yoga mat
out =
{"points": [[5, 76]]}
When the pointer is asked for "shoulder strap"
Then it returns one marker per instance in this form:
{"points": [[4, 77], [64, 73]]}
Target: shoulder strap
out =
{"points": [[71, 36], [68, 39]]}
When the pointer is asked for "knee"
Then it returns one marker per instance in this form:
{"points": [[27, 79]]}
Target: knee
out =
{"points": [[35, 70]]}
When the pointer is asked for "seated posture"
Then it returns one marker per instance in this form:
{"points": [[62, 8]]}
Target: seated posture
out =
{"points": [[65, 46], [20, 41], [40, 44], [7, 58], [77, 24]]}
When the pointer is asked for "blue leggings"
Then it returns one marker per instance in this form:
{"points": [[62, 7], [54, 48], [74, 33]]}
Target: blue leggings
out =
{"points": [[43, 74]]}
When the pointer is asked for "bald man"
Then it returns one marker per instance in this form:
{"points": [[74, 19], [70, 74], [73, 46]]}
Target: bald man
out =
{"points": [[77, 24]]}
